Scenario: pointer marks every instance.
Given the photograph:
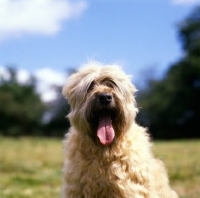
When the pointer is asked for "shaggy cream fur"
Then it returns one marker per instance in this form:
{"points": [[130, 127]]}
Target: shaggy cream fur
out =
{"points": [[107, 154]]}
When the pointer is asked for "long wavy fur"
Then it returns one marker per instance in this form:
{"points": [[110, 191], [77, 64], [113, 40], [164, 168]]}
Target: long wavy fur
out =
{"points": [[126, 168]]}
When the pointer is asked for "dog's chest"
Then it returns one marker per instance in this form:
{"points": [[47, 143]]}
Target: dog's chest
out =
{"points": [[105, 177]]}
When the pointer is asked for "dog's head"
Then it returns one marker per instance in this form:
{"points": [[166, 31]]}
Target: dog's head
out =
{"points": [[102, 102]]}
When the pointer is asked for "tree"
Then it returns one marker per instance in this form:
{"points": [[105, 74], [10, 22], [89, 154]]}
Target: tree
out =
{"points": [[189, 33], [171, 106], [58, 124], [21, 109]]}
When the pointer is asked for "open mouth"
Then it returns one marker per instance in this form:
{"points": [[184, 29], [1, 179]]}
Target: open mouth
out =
{"points": [[105, 131], [104, 114]]}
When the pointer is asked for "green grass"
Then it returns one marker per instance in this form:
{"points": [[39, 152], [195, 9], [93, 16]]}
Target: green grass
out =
{"points": [[183, 164], [31, 167]]}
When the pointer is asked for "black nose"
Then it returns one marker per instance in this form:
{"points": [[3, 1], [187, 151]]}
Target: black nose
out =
{"points": [[105, 98]]}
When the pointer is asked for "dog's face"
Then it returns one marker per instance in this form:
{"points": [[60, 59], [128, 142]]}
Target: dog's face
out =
{"points": [[102, 102]]}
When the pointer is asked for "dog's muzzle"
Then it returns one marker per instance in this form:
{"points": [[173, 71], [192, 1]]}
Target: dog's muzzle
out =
{"points": [[105, 131]]}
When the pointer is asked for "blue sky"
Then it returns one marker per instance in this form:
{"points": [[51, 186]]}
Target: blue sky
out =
{"points": [[55, 35]]}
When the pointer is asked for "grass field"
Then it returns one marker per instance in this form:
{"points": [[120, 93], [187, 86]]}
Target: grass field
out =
{"points": [[31, 167]]}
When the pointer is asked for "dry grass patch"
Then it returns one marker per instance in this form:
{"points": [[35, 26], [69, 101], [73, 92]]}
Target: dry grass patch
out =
{"points": [[183, 164], [31, 167]]}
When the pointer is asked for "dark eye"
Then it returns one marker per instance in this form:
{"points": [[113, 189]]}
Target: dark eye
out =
{"points": [[91, 86], [109, 83]]}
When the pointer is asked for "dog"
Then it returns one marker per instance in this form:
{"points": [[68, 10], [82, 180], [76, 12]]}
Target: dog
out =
{"points": [[107, 154]]}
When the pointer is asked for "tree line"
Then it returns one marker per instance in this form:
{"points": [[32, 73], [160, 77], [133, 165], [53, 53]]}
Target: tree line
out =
{"points": [[169, 107], [23, 113]]}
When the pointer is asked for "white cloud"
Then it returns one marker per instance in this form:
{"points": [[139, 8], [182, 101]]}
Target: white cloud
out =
{"points": [[4, 73], [50, 76], [20, 17], [23, 76], [46, 79], [185, 2]]}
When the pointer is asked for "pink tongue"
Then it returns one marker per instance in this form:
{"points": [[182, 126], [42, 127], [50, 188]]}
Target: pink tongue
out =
{"points": [[105, 131]]}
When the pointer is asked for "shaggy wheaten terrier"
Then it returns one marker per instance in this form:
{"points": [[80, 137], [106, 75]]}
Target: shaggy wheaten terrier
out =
{"points": [[107, 154]]}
